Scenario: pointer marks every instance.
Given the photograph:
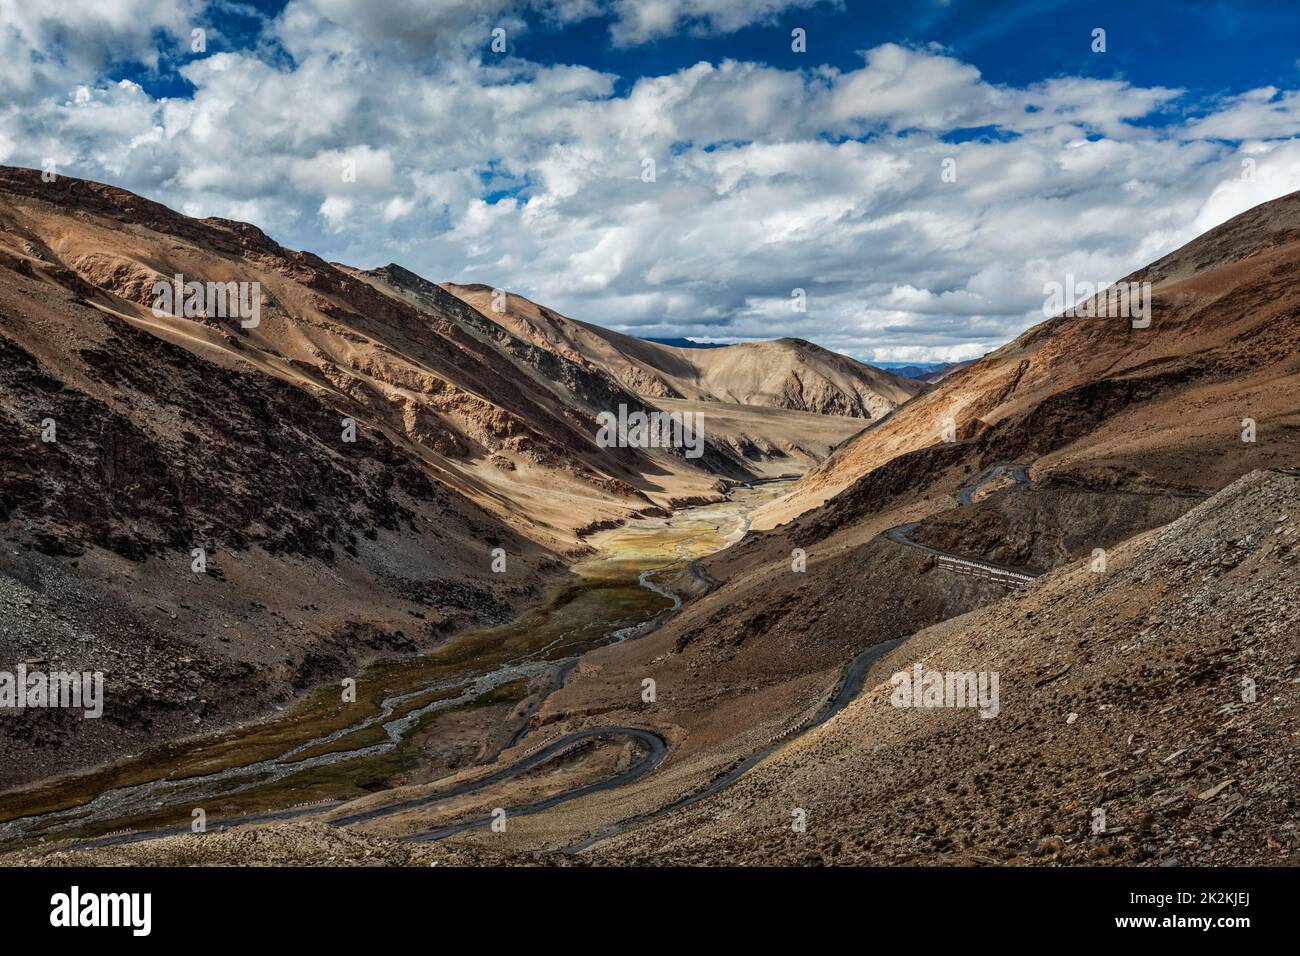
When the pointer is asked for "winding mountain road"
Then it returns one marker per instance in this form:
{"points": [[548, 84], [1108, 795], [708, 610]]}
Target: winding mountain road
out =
{"points": [[1012, 577], [1019, 474], [855, 674], [850, 685], [654, 748]]}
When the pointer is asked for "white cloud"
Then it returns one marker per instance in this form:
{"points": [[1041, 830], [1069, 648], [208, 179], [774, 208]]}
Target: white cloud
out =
{"points": [[1276, 173], [1264, 113], [528, 176], [423, 26], [636, 21], [909, 88], [74, 39]]}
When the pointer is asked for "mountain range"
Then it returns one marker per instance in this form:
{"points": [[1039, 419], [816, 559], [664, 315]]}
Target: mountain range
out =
{"points": [[1102, 513], [472, 431]]}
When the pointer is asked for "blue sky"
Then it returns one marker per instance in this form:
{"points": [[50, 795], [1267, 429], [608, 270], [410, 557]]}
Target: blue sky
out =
{"points": [[1207, 46], [1203, 45], [774, 170]]}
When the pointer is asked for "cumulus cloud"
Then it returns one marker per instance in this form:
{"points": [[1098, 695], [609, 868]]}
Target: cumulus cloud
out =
{"points": [[44, 46], [636, 21], [1264, 113], [919, 206]]}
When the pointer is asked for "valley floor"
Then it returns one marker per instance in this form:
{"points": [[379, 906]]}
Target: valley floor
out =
{"points": [[449, 712], [1121, 693]]}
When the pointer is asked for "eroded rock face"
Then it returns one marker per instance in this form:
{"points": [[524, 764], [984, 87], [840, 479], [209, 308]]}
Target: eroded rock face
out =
{"points": [[1061, 521], [131, 442], [250, 463]]}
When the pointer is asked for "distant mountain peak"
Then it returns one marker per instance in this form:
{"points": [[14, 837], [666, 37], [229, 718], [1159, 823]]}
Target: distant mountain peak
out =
{"points": [[789, 373]]}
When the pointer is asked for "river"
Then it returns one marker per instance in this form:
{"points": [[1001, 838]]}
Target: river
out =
{"points": [[323, 751]]}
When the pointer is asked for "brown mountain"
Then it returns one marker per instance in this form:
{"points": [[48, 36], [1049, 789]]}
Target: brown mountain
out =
{"points": [[1143, 718], [1143, 642], [1097, 402], [1165, 561], [785, 373], [134, 439], [1144, 673]]}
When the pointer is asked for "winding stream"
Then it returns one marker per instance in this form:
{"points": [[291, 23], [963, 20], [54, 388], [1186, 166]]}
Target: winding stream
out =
{"points": [[324, 752]]}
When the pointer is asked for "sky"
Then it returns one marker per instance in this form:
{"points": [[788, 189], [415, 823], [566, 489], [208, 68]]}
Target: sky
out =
{"points": [[897, 181]]}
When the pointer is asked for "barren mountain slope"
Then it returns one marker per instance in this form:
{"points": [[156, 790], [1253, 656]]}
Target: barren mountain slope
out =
{"points": [[785, 373], [741, 441], [1103, 458], [949, 369], [1103, 404], [181, 432], [456, 402], [318, 554], [1162, 693], [772, 442], [131, 441]]}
